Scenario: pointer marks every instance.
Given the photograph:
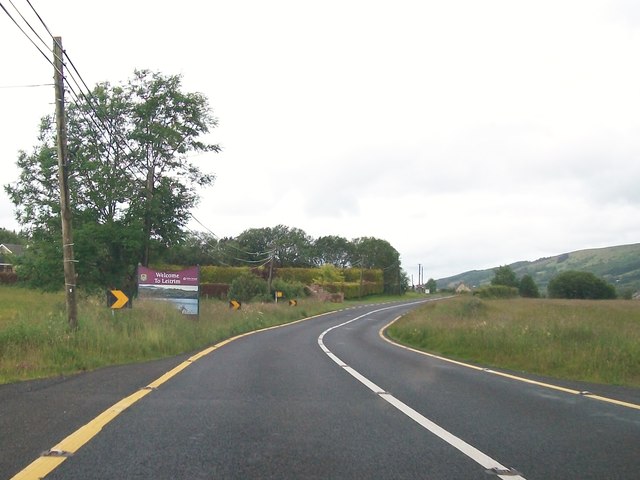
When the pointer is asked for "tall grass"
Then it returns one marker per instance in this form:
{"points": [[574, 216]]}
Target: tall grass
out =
{"points": [[596, 341], [35, 340]]}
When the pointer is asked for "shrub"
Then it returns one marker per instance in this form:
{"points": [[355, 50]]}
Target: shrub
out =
{"points": [[580, 285], [290, 290], [248, 287]]}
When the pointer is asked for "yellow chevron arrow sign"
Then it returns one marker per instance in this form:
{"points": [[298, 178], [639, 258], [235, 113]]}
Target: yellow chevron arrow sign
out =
{"points": [[234, 304], [116, 299]]}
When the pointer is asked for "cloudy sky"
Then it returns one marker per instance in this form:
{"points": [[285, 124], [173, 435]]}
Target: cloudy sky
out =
{"points": [[469, 134]]}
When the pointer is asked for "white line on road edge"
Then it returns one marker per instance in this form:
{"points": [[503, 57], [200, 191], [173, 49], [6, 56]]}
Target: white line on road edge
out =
{"points": [[484, 460]]}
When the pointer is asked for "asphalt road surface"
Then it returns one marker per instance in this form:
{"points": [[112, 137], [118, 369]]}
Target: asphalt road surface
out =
{"points": [[326, 398]]}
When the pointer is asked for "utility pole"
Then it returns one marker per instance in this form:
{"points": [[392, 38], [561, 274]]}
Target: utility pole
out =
{"points": [[63, 179]]}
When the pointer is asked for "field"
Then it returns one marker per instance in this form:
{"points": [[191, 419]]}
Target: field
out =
{"points": [[595, 341], [36, 342]]}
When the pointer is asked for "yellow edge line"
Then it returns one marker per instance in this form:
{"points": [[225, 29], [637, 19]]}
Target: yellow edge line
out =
{"points": [[44, 465], [506, 375]]}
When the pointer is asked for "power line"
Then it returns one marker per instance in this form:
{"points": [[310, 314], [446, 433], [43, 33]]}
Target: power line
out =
{"points": [[28, 86], [46, 45], [97, 121], [26, 34], [40, 18]]}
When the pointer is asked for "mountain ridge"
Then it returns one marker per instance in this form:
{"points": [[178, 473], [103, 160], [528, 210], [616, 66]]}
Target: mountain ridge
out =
{"points": [[617, 265]]}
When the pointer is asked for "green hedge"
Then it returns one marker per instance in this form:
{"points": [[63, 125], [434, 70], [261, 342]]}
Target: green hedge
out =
{"points": [[302, 275], [373, 281], [214, 274], [368, 275], [497, 291], [351, 290]]}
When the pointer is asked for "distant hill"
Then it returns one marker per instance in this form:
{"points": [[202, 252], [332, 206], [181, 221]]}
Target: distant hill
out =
{"points": [[619, 266]]}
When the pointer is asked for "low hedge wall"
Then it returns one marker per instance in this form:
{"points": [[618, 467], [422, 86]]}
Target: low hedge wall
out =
{"points": [[8, 278], [214, 290]]}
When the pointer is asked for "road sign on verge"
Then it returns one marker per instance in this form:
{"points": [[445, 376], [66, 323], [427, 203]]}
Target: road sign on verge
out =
{"points": [[234, 304], [293, 303], [117, 299]]}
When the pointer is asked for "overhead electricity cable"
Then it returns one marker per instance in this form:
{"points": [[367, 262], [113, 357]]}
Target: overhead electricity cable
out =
{"points": [[112, 133], [40, 18], [267, 256], [26, 34], [46, 45], [28, 86]]}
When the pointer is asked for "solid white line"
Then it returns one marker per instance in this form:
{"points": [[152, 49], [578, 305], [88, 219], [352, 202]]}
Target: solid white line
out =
{"points": [[484, 460]]}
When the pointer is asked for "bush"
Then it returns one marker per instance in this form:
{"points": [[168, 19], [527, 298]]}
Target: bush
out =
{"points": [[580, 285], [248, 287], [290, 290]]}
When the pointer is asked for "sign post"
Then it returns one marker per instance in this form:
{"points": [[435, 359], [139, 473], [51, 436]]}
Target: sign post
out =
{"points": [[116, 299], [179, 288]]}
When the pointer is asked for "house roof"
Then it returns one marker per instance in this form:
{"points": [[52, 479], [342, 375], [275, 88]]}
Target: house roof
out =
{"points": [[11, 248]]}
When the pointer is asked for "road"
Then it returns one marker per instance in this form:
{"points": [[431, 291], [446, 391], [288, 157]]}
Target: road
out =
{"points": [[329, 398]]}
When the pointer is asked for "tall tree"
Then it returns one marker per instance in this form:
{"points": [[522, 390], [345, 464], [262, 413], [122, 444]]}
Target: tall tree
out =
{"points": [[131, 182], [528, 288], [371, 252], [333, 250], [505, 276], [286, 247], [8, 236], [431, 285]]}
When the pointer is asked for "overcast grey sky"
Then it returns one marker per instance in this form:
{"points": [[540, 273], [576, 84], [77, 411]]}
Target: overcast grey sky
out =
{"points": [[469, 134]]}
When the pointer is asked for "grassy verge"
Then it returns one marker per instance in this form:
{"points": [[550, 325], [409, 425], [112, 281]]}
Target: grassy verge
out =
{"points": [[595, 341], [35, 341]]}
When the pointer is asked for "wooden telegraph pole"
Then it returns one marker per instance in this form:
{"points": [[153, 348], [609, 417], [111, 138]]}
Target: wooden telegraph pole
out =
{"points": [[63, 179]]}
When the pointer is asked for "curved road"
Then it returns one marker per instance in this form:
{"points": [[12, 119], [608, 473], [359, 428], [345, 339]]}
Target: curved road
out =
{"points": [[329, 398]]}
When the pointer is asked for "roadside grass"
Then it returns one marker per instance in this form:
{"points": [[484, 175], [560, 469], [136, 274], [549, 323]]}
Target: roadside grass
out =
{"points": [[35, 340], [594, 341]]}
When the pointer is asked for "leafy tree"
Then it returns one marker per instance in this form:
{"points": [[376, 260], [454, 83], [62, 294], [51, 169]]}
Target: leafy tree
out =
{"points": [[131, 182], [370, 252], [286, 247], [333, 250], [195, 248], [580, 285], [528, 288], [8, 236], [431, 285], [504, 276]]}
